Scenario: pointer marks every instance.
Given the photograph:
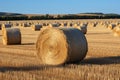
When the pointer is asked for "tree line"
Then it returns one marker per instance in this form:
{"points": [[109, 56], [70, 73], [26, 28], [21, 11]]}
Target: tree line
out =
{"points": [[52, 17]]}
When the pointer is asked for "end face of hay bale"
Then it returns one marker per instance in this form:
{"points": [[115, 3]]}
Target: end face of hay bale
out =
{"points": [[51, 46], [11, 36], [56, 46]]}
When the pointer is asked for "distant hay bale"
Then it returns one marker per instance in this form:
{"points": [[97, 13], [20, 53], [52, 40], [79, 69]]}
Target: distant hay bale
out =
{"points": [[44, 24], [17, 24], [54, 25], [6, 25], [56, 46], [63, 24], [36, 27], [69, 24], [83, 28], [111, 26], [105, 25], [26, 25], [11, 36], [95, 24], [22, 25], [76, 25], [118, 23], [116, 31]]}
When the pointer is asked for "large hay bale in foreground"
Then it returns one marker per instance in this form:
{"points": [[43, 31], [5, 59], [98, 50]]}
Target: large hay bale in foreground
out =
{"points": [[11, 36], [56, 46]]}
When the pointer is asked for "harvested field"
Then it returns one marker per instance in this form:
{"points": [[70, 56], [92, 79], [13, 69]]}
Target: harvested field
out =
{"points": [[102, 62]]}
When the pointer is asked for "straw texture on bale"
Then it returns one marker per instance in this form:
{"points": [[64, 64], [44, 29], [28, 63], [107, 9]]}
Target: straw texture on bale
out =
{"points": [[11, 36], [56, 46], [36, 27]]}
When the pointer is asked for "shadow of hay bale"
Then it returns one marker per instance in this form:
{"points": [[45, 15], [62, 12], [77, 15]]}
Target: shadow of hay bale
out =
{"points": [[102, 60], [27, 43], [26, 68], [98, 33]]}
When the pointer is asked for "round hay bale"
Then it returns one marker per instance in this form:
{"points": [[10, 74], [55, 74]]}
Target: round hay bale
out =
{"points": [[36, 27], [22, 25], [26, 25], [116, 31], [63, 25], [11, 36], [76, 25], [111, 26], [95, 24], [69, 24], [44, 24], [84, 29], [54, 25], [6, 25], [56, 46]]}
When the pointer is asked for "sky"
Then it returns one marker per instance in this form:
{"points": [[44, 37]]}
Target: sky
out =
{"points": [[59, 6]]}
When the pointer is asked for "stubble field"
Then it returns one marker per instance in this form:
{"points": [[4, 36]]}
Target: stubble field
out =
{"points": [[102, 62]]}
